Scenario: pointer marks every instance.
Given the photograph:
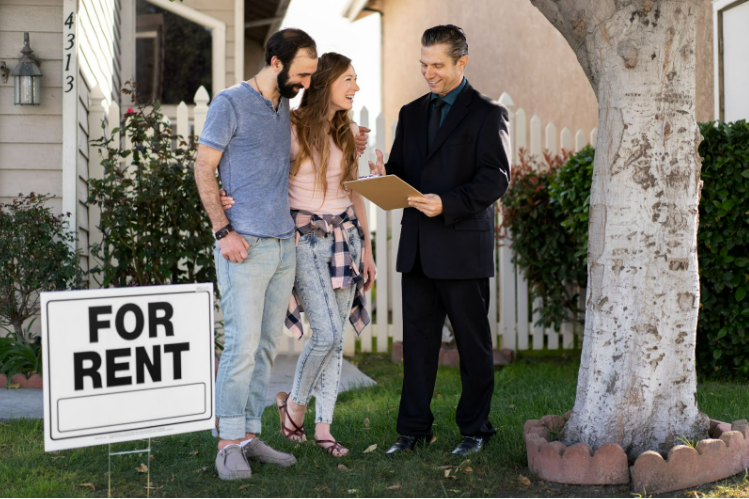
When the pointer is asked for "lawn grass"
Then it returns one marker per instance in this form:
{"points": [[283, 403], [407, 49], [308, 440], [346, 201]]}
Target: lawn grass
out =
{"points": [[183, 464]]}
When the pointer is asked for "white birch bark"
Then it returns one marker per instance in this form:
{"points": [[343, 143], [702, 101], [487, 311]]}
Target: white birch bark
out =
{"points": [[637, 381]]}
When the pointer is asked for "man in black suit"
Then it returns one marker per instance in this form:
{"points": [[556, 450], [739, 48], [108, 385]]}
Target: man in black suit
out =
{"points": [[452, 143]]}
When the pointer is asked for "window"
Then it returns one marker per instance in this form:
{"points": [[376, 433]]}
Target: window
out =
{"points": [[733, 61], [173, 56]]}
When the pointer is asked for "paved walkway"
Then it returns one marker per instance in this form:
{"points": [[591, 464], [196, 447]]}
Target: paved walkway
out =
{"points": [[26, 403]]}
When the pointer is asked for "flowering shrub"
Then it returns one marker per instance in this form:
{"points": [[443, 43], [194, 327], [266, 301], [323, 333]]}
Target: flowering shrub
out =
{"points": [[153, 225]]}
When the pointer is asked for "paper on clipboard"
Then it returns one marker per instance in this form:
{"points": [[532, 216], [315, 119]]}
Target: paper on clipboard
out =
{"points": [[388, 192]]}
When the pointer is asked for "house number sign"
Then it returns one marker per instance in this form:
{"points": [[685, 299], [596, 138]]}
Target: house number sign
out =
{"points": [[69, 46]]}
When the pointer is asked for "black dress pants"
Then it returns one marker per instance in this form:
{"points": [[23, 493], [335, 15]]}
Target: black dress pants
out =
{"points": [[425, 303]]}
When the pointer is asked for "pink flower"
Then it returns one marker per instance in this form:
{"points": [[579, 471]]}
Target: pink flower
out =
{"points": [[130, 110]]}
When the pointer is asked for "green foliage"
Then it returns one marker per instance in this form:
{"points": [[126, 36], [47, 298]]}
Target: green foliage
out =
{"points": [[546, 210], [570, 194], [723, 249], [153, 225], [36, 254], [18, 356]]}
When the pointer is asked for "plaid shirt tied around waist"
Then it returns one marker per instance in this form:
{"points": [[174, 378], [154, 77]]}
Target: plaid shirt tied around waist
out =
{"points": [[343, 271]]}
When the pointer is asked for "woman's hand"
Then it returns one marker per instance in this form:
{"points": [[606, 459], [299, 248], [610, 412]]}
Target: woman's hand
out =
{"points": [[369, 271], [226, 201]]}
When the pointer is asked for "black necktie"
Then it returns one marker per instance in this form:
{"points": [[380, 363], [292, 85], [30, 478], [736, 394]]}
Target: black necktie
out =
{"points": [[434, 120]]}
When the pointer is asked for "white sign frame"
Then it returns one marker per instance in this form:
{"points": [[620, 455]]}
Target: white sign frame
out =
{"points": [[77, 413]]}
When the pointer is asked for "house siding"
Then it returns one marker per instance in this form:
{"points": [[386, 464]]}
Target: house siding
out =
{"points": [[31, 136], [98, 66]]}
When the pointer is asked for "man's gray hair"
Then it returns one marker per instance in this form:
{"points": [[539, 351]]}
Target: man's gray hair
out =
{"points": [[449, 34]]}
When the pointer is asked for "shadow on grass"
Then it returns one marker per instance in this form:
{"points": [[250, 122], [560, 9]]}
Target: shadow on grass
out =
{"points": [[183, 465]]}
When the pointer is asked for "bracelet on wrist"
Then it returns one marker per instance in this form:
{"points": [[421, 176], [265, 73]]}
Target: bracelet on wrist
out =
{"points": [[223, 231]]}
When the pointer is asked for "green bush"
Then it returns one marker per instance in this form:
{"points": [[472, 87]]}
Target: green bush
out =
{"points": [[546, 252], [723, 249], [36, 254], [153, 225], [20, 357], [569, 191]]}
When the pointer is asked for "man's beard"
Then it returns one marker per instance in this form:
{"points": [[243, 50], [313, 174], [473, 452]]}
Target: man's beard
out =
{"points": [[286, 90]]}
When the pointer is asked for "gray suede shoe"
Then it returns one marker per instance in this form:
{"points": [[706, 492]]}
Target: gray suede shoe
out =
{"points": [[231, 463], [257, 450]]}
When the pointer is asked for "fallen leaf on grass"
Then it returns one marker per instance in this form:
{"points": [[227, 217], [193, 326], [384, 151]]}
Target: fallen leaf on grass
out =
{"points": [[55, 458], [14, 385], [366, 422], [463, 465], [343, 467], [244, 486], [152, 458], [142, 468], [369, 449], [194, 453], [86, 486], [434, 439], [448, 467], [468, 470], [524, 480], [454, 490], [351, 491], [106, 473], [393, 487], [447, 473]]}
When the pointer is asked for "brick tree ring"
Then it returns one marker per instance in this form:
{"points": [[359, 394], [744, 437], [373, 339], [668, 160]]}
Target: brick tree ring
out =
{"points": [[724, 454]]}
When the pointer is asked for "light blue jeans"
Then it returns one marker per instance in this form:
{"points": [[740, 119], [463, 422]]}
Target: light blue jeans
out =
{"points": [[318, 370], [254, 299]]}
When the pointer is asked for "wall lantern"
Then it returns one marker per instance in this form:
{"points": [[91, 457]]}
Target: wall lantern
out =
{"points": [[27, 77]]}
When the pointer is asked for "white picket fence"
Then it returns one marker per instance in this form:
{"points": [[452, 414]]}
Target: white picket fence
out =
{"points": [[510, 313]]}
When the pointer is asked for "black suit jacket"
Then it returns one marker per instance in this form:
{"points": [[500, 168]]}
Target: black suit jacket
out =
{"points": [[468, 166]]}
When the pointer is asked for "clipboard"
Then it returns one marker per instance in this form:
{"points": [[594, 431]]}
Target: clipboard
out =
{"points": [[388, 192]]}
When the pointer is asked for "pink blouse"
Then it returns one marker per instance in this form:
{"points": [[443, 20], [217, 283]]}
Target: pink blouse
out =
{"points": [[305, 194]]}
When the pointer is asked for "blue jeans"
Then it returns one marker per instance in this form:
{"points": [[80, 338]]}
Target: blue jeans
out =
{"points": [[254, 299], [318, 370]]}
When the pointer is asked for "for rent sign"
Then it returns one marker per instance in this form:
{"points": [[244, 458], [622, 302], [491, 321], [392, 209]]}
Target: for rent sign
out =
{"points": [[127, 363]]}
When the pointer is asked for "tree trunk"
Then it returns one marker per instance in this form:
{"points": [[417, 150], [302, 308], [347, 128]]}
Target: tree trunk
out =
{"points": [[18, 329], [637, 381]]}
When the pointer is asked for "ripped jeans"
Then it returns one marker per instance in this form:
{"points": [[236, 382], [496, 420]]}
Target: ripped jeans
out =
{"points": [[318, 371]]}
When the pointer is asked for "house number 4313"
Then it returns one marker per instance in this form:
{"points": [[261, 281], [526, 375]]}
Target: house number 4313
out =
{"points": [[70, 52]]}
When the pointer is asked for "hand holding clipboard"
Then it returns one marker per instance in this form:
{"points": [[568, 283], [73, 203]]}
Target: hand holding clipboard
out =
{"points": [[388, 192]]}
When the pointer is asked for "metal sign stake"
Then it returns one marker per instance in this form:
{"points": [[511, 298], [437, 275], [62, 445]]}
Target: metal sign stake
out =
{"points": [[122, 453]]}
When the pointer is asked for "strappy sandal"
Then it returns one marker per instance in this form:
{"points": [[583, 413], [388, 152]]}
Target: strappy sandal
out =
{"points": [[333, 448], [282, 399]]}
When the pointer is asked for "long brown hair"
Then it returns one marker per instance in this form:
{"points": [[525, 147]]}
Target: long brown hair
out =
{"points": [[313, 127]]}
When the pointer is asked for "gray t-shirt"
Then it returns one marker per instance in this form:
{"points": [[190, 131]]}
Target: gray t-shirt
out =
{"points": [[254, 169]]}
